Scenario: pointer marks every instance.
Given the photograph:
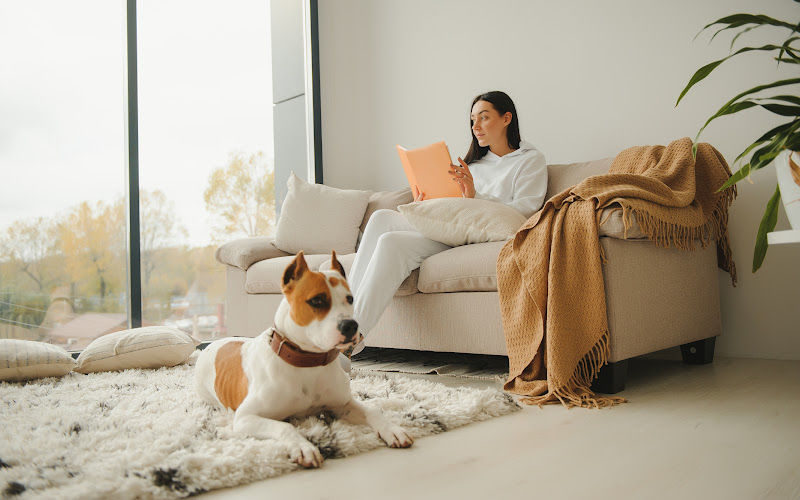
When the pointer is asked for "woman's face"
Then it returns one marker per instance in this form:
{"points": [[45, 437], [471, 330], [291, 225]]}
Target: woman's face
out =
{"points": [[488, 127]]}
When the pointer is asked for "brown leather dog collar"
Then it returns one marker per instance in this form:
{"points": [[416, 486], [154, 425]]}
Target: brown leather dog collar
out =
{"points": [[296, 356]]}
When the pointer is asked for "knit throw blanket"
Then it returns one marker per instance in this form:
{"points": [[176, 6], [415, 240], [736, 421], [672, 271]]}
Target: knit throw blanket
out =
{"points": [[550, 278]]}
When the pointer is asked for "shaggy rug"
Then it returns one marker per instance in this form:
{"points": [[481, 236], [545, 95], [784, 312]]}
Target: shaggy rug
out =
{"points": [[146, 434]]}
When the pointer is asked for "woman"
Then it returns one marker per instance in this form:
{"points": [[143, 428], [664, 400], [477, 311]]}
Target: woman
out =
{"points": [[498, 166]]}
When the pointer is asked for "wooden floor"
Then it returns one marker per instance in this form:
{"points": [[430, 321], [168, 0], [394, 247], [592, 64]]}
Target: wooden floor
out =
{"points": [[727, 430]]}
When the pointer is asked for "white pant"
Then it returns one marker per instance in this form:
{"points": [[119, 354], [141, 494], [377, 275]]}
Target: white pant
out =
{"points": [[390, 250]]}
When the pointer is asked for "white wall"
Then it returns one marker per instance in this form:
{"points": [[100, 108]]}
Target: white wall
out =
{"points": [[589, 78]]}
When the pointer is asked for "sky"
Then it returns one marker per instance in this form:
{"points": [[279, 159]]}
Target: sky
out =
{"points": [[205, 91]]}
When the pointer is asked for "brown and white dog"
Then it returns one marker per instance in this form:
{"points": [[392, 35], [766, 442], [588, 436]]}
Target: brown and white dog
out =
{"points": [[292, 369]]}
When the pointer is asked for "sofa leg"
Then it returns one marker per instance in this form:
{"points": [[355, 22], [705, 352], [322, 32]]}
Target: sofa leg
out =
{"points": [[700, 352], [612, 378]]}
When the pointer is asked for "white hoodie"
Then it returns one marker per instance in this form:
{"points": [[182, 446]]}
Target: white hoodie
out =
{"points": [[518, 179]]}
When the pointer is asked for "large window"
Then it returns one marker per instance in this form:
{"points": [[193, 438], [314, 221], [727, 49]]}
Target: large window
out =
{"points": [[62, 195], [205, 161], [205, 151]]}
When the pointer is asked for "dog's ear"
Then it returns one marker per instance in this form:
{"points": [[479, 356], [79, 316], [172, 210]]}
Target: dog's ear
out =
{"points": [[336, 265], [295, 270]]}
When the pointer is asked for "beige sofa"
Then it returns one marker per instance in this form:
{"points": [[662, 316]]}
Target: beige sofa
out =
{"points": [[656, 298]]}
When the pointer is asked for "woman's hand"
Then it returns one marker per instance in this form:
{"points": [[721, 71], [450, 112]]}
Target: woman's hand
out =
{"points": [[463, 177], [418, 195]]}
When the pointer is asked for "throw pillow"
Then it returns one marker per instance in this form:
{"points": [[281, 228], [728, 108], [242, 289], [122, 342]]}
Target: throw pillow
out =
{"points": [[386, 199], [461, 221], [317, 218], [147, 347], [26, 359]]}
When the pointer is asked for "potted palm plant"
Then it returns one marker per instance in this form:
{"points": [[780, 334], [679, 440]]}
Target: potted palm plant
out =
{"points": [[780, 144]]}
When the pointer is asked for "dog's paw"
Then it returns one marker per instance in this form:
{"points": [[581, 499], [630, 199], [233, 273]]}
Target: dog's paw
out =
{"points": [[306, 454], [395, 437]]}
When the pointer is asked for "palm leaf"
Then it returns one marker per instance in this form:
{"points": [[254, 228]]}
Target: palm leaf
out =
{"points": [[787, 98], [777, 140], [742, 19], [791, 51], [793, 57], [786, 45], [767, 225], [741, 33], [735, 25], [782, 109], [706, 70], [726, 108], [736, 177], [764, 156], [764, 138], [749, 148], [793, 143]]}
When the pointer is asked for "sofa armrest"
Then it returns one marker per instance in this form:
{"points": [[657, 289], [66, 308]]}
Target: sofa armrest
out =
{"points": [[243, 253]]}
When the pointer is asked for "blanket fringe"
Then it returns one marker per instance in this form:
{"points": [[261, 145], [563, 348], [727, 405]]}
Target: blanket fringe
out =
{"points": [[670, 235], [577, 391]]}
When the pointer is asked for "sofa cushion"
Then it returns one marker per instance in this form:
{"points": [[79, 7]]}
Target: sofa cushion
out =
{"points": [[242, 253], [560, 177], [468, 268], [317, 218], [389, 200], [611, 225], [407, 287], [385, 199], [473, 268], [462, 221], [266, 276]]}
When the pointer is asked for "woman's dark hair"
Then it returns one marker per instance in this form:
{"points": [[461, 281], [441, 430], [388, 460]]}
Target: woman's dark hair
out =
{"points": [[503, 104]]}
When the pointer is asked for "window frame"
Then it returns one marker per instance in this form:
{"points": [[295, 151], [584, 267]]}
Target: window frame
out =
{"points": [[313, 129]]}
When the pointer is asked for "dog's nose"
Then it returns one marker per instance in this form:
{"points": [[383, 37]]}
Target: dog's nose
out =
{"points": [[348, 327]]}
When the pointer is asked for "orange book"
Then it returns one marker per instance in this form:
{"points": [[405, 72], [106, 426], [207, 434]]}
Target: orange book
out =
{"points": [[427, 169]]}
